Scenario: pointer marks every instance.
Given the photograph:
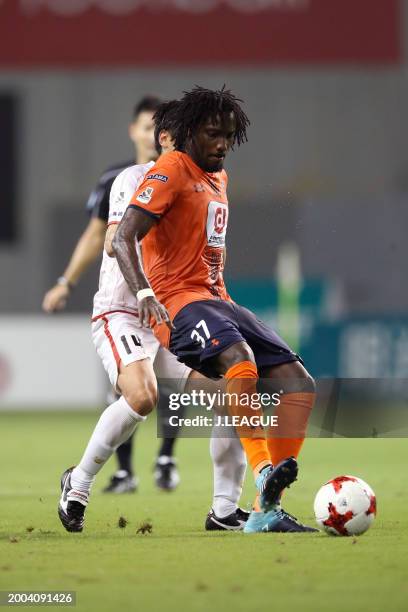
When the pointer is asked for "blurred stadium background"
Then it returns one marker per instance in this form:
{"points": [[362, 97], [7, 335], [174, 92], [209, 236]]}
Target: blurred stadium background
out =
{"points": [[317, 237]]}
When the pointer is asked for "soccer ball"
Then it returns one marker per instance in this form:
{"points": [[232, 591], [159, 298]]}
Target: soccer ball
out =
{"points": [[345, 506]]}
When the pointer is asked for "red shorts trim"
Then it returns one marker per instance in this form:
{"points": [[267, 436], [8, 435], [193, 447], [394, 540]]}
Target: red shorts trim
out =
{"points": [[111, 341], [104, 314]]}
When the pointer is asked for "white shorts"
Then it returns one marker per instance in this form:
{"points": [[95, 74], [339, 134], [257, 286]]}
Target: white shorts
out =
{"points": [[118, 338]]}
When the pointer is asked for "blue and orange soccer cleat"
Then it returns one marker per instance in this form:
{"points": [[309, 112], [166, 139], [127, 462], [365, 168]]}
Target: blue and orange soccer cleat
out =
{"points": [[277, 520], [273, 480]]}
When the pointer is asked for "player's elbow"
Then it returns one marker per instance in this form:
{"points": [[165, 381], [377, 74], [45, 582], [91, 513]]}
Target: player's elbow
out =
{"points": [[109, 249], [110, 235]]}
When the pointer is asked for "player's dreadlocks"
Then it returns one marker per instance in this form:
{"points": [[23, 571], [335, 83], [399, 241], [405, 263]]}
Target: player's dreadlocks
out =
{"points": [[164, 119], [199, 105]]}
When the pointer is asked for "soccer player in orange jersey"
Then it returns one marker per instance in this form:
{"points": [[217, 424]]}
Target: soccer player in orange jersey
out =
{"points": [[180, 212]]}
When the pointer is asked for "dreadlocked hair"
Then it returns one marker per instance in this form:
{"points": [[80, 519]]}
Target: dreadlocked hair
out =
{"points": [[164, 118], [199, 105]]}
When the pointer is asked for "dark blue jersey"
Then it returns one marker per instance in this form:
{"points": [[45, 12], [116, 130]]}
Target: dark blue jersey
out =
{"points": [[98, 201]]}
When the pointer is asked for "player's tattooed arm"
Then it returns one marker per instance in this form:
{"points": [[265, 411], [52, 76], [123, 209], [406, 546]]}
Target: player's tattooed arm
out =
{"points": [[133, 228]]}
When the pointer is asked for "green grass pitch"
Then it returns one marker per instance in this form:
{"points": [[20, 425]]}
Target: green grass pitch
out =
{"points": [[179, 566]]}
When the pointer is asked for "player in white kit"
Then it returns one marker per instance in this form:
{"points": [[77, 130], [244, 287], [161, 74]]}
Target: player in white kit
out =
{"points": [[133, 359]]}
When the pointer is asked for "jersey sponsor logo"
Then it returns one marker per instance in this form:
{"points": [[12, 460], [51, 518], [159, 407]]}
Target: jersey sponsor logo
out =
{"points": [[157, 177], [72, 8], [117, 213], [145, 196], [217, 220], [119, 198], [198, 187], [117, 205]]}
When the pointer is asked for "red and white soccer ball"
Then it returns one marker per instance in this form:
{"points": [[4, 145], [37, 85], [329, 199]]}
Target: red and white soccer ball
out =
{"points": [[345, 506]]}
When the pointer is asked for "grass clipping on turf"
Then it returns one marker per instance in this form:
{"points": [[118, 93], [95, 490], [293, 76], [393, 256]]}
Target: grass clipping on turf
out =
{"points": [[145, 527]]}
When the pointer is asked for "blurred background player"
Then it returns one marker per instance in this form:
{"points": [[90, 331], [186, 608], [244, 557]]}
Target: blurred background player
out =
{"points": [[88, 248]]}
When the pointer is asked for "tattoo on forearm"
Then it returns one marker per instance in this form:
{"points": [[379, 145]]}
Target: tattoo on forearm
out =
{"points": [[132, 227]]}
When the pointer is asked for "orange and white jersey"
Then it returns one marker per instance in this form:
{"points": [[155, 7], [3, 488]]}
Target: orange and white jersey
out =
{"points": [[183, 254], [114, 294]]}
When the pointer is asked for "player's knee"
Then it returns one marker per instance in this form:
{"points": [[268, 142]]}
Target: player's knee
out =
{"points": [[307, 381], [293, 376], [306, 384], [142, 398], [234, 354], [242, 352], [310, 383]]}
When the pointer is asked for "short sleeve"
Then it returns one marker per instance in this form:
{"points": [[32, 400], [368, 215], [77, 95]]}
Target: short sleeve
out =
{"points": [[98, 201], [117, 204], [158, 191], [122, 191]]}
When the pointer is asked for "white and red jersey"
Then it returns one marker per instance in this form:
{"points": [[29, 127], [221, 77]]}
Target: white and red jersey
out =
{"points": [[114, 294]]}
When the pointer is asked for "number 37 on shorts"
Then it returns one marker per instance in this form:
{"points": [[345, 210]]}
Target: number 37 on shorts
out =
{"points": [[201, 333]]}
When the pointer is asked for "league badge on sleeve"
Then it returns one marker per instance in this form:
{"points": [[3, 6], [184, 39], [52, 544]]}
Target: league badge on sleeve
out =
{"points": [[157, 177], [145, 196]]}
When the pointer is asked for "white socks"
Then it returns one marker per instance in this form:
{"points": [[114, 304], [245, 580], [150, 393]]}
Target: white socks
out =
{"points": [[119, 421], [115, 426], [229, 463]]}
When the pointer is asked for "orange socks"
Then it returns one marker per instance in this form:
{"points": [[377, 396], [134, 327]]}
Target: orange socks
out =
{"points": [[293, 413], [242, 378], [282, 441]]}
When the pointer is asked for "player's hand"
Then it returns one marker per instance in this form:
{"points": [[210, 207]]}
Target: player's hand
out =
{"points": [[56, 298], [151, 307]]}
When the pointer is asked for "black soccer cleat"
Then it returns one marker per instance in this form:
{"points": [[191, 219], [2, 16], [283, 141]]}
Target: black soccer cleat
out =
{"points": [[233, 522], [273, 480], [72, 504], [122, 482], [166, 475]]}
